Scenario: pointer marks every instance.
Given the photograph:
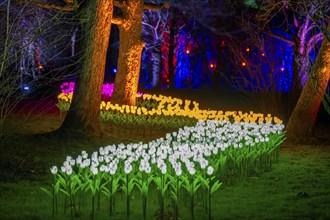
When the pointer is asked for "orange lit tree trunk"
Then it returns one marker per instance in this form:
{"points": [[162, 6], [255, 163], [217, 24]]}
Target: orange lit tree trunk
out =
{"points": [[302, 121], [83, 116], [130, 49]]}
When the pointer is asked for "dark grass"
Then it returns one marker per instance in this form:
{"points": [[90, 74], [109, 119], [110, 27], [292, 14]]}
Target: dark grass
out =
{"points": [[297, 187]]}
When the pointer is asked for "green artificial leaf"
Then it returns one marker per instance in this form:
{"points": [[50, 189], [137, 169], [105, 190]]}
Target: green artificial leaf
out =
{"points": [[115, 185], [64, 192], [158, 181], [215, 186], [124, 189], [164, 190], [145, 189], [203, 181], [174, 196], [47, 192], [106, 192]]}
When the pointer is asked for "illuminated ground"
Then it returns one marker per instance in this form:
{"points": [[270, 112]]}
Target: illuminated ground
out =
{"points": [[296, 188]]}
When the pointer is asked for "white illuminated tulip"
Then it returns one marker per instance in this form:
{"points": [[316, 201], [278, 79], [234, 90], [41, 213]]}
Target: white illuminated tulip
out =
{"points": [[210, 170], [54, 170]]}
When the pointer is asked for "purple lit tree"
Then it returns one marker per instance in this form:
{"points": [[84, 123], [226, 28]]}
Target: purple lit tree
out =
{"points": [[297, 31], [310, 100], [154, 26], [307, 23]]}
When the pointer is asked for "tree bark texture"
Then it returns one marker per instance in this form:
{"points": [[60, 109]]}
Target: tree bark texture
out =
{"points": [[130, 51], [156, 66], [84, 112], [302, 121], [171, 49]]}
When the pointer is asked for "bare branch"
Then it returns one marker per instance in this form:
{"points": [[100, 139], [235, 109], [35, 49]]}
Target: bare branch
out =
{"points": [[311, 26], [68, 7], [290, 42], [118, 20], [154, 7], [118, 3], [314, 40], [150, 26]]}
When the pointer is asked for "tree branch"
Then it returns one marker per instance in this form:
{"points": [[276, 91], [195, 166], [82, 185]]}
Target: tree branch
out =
{"points": [[282, 39], [118, 3], [313, 41], [118, 20], [154, 7], [311, 26], [148, 25], [68, 7]]}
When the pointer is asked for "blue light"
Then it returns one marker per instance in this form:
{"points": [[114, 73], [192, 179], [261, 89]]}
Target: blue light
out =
{"points": [[26, 88], [114, 70]]}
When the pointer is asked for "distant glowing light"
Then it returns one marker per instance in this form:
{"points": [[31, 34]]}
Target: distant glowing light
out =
{"points": [[212, 65], [243, 63], [247, 49], [26, 88], [114, 70], [263, 54], [40, 67], [223, 43], [187, 51], [282, 69], [68, 87]]}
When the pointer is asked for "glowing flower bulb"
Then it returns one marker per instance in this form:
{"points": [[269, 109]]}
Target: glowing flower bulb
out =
{"points": [[54, 170]]}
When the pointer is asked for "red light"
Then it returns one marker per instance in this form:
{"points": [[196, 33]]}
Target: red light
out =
{"points": [[223, 43], [211, 65], [247, 49], [187, 51], [263, 54], [282, 69], [40, 67], [243, 64]]}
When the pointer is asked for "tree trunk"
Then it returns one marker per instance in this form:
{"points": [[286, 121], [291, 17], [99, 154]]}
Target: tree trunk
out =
{"points": [[171, 49], [130, 52], [156, 66], [84, 113], [302, 121]]}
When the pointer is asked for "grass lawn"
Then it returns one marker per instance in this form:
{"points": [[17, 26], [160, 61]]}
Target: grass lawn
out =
{"points": [[297, 187]]}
